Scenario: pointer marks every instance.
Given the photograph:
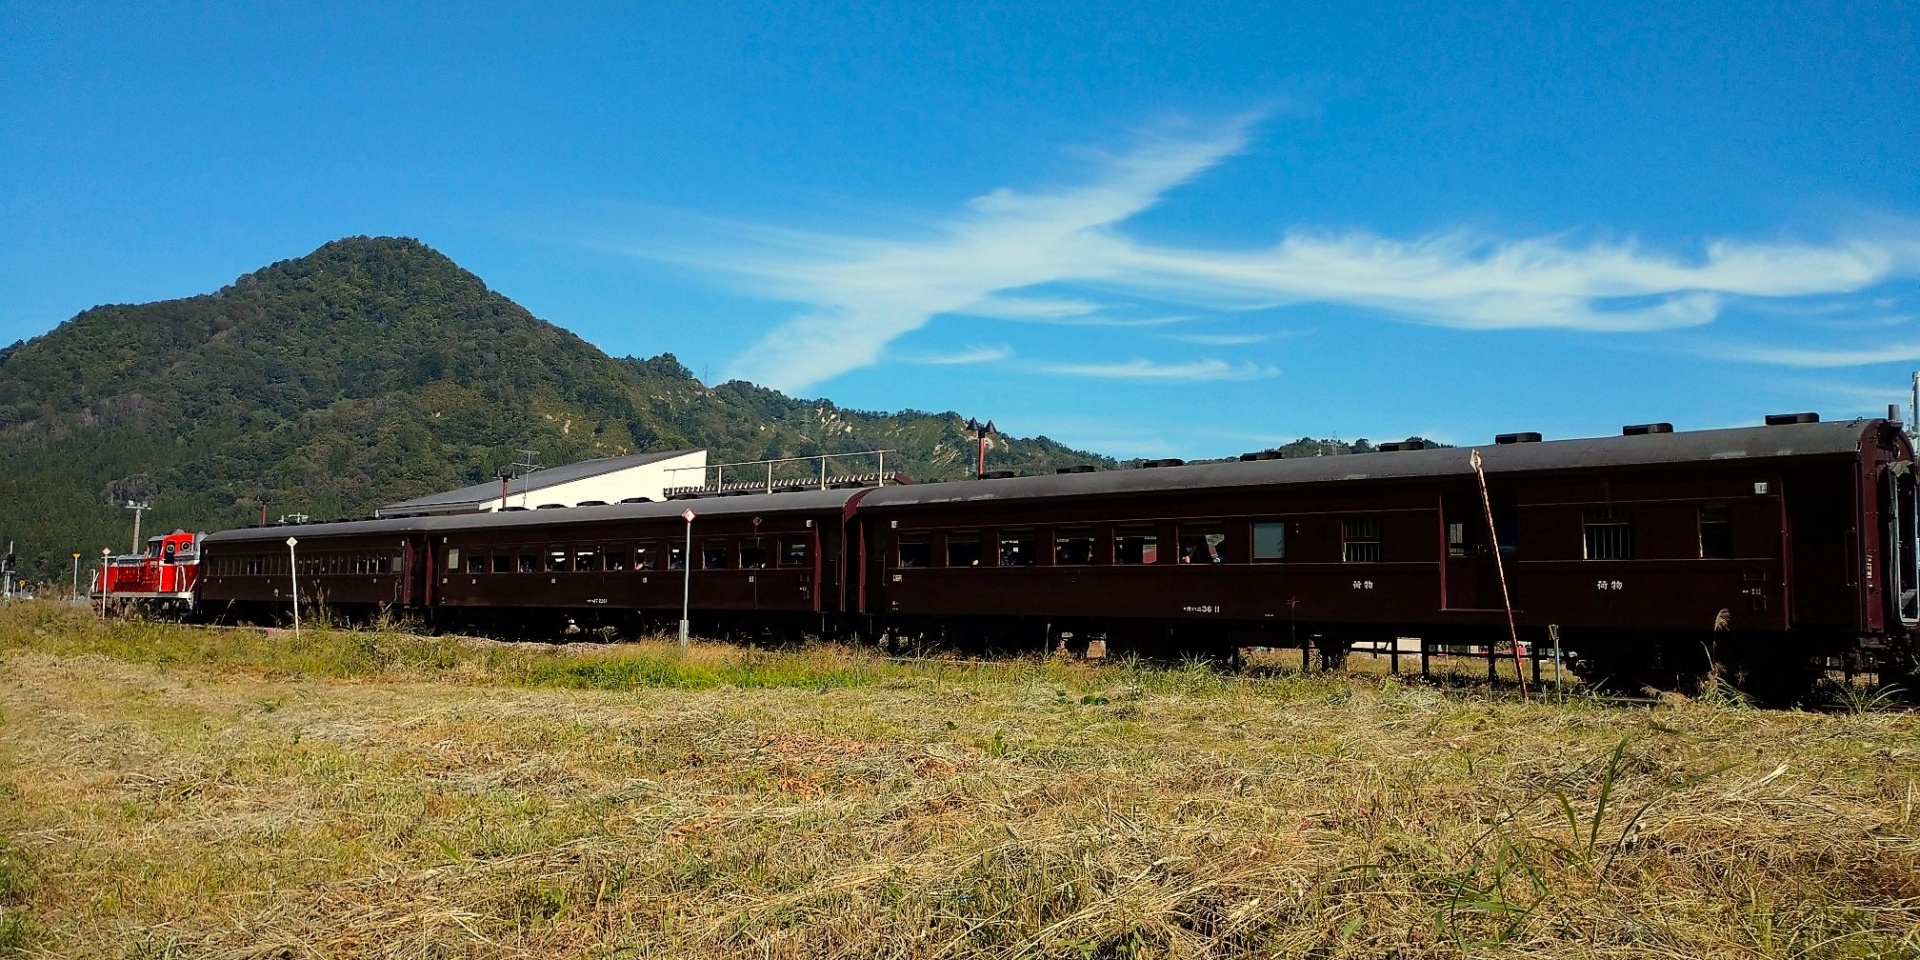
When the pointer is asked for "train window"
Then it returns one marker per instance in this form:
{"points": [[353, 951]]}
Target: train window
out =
{"points": [[1716, 532], [1609, 533], [963, 549], [476, 564], [1360, 539], [1456, 539], [453, 558], [502, 563], [1018, 548], [1270, 541], [915, 550], [676, 558], [586, 559], [646, 557], [793, 553], [529, 563], [1073, 547], [1200, 543], [558, 561], [616, 558], [715, 556], [398, 564], [753, 557], [1133, 545]]}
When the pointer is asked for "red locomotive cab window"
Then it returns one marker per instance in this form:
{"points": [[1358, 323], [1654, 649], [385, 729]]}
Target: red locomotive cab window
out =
{"points": [[1136, 545]]}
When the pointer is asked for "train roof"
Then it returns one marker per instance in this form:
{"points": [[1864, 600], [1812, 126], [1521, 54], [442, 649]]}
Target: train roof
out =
{"points": [[1840, 438], [759, 504]]}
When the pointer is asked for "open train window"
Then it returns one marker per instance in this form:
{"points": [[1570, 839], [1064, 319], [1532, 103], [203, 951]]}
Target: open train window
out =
{"points": [[793, 553], [586, 559], [558, 561], [915, 550], [1136, 545], [528, 563], [676, 558], [1270, 541], [616, 558], [753, 557], [502, 563], [963, 549], [1360, 539], [1716, 532], [475, 564], [646, 557], [714, 555], [1018, 548], [1201, 543], [1608, 533], [1073, 547]]}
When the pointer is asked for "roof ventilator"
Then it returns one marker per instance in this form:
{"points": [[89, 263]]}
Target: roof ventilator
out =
{"points": [[1506, 438], [1165, 462], [1782, 419], [1076, 468], [1642, 429], [1262, 455], [998, 475], [638, 500], [1402, 445]]}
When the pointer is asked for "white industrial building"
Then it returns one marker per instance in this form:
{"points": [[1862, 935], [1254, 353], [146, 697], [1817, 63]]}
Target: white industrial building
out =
{"points": [[607, 480]]}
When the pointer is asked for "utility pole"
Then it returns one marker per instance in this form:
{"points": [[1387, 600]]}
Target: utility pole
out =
{"points": [[686, 578], [529, 462], [76, 576], [293, 569], [6, 573], [138, 507]]}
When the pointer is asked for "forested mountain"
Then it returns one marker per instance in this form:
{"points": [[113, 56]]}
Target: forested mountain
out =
{"points": [[371, 371]]}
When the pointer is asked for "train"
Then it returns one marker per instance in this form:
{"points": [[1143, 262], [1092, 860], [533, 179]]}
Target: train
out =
{"points": [[1756, 556]]}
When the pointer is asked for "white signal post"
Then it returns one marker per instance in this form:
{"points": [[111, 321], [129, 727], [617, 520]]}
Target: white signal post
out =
{"points": [[105, 587], [293, 568], [686, 578], [76, 576]]}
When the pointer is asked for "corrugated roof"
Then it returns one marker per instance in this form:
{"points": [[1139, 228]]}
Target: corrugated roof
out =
{"points": [[1744, 443], [763, 504], [537, 480]]}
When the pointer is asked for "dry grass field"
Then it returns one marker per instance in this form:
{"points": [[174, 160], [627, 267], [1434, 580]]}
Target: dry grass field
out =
{"points": [[168, 791]]}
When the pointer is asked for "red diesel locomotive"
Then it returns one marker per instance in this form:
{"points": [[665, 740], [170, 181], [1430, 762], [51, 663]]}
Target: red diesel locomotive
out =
{"points": [[1771, 551]]}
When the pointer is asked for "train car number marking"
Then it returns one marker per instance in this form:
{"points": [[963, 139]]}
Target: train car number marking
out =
{"points": [[1202, 608], [1363, 584]]}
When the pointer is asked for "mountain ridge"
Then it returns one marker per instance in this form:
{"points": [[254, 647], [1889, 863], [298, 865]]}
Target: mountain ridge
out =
{"points": [[369, 371]]}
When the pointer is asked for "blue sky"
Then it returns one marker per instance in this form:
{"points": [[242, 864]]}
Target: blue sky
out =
{"points": [[1163, 230]]}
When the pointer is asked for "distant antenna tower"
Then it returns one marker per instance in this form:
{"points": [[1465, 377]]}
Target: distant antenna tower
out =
{"points": [[1914, 410]]}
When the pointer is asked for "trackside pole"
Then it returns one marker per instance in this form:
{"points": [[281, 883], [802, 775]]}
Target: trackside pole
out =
{"points": [[686, 578], [293, 569], [1500, 566]]}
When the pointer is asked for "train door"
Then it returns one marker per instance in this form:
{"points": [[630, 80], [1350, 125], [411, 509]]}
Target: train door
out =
{"points": [[1899, 510], [1820, 503], [1472, 582]]}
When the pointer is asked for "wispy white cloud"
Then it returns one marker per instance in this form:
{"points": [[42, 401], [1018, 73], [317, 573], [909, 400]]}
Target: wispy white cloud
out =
{"points": [[974, 354], [1141, 369], [1233, 339], [1860, 356], [989, 260]]}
